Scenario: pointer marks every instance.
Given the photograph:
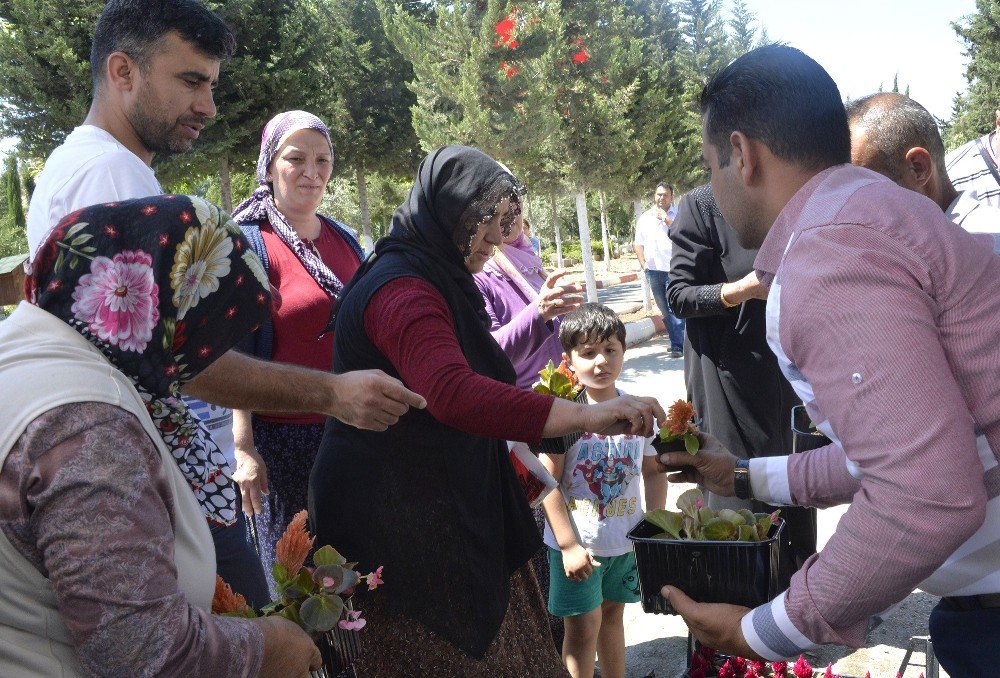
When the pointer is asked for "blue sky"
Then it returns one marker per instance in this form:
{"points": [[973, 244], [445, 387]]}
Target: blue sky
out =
{"points": [[864, 43]]}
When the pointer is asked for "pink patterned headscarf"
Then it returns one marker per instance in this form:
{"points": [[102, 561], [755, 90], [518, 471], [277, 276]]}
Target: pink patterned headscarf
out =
{"points": [[260, 205]]}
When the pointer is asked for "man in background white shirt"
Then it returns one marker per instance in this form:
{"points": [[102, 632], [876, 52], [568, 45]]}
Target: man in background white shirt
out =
{"points": [[653, 248]]}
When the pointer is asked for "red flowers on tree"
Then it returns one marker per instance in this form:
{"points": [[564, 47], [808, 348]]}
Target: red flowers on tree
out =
{"points": [[581, 56], [505, 30]]}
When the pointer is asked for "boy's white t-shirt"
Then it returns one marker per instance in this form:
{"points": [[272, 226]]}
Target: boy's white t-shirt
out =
{"points": [[602, 486], [89, 168]]}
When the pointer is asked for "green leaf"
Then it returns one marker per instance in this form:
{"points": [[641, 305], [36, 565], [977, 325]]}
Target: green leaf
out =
{"points": [[328, 555], [748, 517], [81, 239], [560, 385], [706, 514], [763, 527], [72, 262], [718, 529], [688, 501], [280, 574], [732, 516], [669, 521], [334, 572], [351, 580], [320, 613], [305, 582], [76, 228], [691, 443], [748, 533]]}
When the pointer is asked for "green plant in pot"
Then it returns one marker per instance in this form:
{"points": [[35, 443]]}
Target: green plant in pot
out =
{"points": [[696, 521]]}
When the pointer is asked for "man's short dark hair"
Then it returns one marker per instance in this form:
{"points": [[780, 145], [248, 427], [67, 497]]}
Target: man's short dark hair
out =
{"points": [[592, 323], [136, 27], [894, 124], [780, 97], [667, 186]]}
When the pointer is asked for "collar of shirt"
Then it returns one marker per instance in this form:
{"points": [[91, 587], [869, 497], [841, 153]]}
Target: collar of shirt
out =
{"points": [[791, 220]]}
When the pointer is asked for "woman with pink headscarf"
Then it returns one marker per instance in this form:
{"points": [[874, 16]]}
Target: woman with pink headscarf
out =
{"points": [[307, 257]]}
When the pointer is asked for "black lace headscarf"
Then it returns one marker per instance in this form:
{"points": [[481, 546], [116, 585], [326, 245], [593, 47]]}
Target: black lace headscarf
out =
{"points": [[457, 189]]}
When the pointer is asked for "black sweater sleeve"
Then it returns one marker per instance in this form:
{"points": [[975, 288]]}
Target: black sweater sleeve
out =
{"points": [[692, 293]]}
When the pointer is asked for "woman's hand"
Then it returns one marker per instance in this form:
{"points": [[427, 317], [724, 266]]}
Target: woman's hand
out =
{"points": [[554, 300], [251, 475], [711, 468], [289, 652], [624, 414], [578, 563], [251, 472]]}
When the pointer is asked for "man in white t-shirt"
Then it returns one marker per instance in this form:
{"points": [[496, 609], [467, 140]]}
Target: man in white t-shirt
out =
{"points": [[897, 137], [653, 248], [153, 74]]}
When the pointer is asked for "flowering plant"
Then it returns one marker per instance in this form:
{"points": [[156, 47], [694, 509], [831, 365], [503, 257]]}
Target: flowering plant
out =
{"points": [[699, 522], [312, 597], [557, 381], [680, 425]]}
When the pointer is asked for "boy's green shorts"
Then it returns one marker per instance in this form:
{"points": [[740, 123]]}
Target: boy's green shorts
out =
{"points": [[615, 580]]}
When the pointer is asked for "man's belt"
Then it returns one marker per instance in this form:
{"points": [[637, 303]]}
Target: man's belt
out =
{"points": [[984, 601]]}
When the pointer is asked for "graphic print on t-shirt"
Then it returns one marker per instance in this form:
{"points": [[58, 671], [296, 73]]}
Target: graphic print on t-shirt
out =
{"points": [[603, 467]]}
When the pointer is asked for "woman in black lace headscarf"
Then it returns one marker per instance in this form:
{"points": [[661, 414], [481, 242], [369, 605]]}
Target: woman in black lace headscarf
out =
{"points": [[435, 499]]}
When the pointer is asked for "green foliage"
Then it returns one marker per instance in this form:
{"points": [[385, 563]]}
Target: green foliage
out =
{"points": [[695, 521], [974, 111], [557, 381], [12, 224]]}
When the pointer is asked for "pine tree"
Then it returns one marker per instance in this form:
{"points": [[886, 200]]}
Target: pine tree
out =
{"points": [[743, 34], [974, 111], [704, 29], [12, 225]]}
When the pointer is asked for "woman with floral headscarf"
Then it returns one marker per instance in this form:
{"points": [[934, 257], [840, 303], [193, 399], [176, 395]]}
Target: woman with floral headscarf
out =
{"points": [[435, 498], [106, 478], [306, 256]]}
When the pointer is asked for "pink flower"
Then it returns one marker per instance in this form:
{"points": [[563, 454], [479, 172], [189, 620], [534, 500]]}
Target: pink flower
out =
{"points": [[756, 666], [779, 668], [374, 579], [739, 665], [354, 622], [118, 300], [726, 670], [700, 503], [329, 582], [802, 668], [829, 671], [752, 672]]}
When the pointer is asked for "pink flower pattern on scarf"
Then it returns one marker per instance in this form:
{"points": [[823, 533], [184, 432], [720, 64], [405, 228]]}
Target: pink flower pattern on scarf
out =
{"points": [[118, 300]]}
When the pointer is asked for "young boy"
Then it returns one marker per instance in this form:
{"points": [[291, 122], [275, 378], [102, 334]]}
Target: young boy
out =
{"points": [[592, 566]]}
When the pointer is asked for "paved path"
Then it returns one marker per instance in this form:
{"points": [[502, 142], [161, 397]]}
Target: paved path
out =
{"points": [[656, 643]]}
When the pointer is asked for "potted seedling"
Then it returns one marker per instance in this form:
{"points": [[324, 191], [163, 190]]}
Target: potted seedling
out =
{"points": [[723, 556], [679, 432], [561, 383]]}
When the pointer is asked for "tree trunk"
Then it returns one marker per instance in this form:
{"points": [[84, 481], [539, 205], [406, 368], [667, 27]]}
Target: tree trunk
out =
{"points": [[367, 241], [583, 223], [605, 240], [225, 185], [556, 234], [647, 297]]}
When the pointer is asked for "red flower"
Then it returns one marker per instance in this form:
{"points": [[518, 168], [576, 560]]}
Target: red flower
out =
{"points": [[739, 665], [261, 298], [180, 336], [110, 231], [54, 286], [581, 56], [185, 217], [698, 663], [230, 312], [697, 673], [779, 668], [204, 352], [505, 29], [164, 239], [726, 670], [148, 210], [510, 70], [171, 370], [802, 668], [239, 280]]}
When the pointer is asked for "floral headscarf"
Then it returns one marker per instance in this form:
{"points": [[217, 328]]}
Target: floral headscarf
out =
{"points": [[162, 286], [260, 205]]}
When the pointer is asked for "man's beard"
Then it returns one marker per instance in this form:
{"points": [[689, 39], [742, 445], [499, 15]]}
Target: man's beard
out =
{"points": [[158, 134]]}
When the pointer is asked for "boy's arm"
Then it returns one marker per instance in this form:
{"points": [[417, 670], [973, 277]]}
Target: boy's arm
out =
{"points": [[577, 561], [654, 484]]}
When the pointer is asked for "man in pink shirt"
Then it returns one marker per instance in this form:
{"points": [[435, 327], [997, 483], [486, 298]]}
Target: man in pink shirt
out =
{"points": [[884, 317]]}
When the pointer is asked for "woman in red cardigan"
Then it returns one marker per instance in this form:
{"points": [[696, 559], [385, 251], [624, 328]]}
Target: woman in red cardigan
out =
{"points": [[434, 498]]}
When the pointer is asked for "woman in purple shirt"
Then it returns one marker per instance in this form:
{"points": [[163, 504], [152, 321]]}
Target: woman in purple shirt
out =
{"points": [[524, 304]]}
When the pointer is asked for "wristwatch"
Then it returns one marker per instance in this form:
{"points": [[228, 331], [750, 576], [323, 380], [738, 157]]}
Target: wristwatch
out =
{"points": [[741, 479]]}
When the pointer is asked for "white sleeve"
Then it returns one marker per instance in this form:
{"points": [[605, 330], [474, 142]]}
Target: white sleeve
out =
{"points": [[640, 231], [107, 178]]}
